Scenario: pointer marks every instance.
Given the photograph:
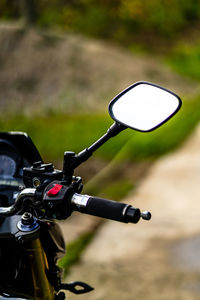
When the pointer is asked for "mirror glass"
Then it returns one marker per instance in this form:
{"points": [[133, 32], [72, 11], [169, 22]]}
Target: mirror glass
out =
{"points": [[144, 106]]}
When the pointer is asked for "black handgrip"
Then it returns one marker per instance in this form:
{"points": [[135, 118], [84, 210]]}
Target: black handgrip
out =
{"points": [[105, 208]]}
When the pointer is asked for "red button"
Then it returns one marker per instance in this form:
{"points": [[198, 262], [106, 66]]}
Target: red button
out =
{"points": [[54, 190]]}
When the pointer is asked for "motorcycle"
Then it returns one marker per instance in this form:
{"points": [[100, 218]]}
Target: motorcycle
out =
{"points": [[34, 194]]}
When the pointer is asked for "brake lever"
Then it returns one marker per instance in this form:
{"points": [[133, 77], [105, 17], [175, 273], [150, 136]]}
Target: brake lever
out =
{"points": [[77, 287]]}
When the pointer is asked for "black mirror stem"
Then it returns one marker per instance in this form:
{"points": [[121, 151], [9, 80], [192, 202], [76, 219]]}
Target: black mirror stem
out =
{"points": [[72, 160]]}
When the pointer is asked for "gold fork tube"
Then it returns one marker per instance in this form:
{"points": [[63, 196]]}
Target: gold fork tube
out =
{"points": [[38, 265]]}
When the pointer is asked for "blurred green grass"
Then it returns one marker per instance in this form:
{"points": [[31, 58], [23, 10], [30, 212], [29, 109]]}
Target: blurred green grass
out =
{"points": [[185, 59], [55, 134], [118, 189]]}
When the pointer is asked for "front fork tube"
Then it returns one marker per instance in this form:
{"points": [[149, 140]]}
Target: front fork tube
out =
{"points": [[37, 262]]}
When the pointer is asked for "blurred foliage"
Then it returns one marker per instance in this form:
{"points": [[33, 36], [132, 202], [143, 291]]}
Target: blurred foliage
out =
{"points": [[9, 9], [185, 59], [119, 20]]}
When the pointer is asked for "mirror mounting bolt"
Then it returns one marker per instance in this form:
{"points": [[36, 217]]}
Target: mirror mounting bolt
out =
{"points": [[68, 170], [72, 160]]}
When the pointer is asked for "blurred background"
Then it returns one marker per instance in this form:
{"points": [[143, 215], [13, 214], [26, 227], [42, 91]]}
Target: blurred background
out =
{"points": [[62, 61]]}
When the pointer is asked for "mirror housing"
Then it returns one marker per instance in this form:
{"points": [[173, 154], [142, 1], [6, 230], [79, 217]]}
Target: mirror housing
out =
{"points": [[144, 106]]}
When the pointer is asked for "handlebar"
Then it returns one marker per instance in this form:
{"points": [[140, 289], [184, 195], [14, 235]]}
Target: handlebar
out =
{"points": [[11, 210], [107, 209], [99, 207]]}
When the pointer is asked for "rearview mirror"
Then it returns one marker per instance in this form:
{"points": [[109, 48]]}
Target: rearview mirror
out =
{"points": [[144, 106]]}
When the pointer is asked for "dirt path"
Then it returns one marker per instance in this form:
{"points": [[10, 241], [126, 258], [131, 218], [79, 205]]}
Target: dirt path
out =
{"points": [[155, 260]]}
